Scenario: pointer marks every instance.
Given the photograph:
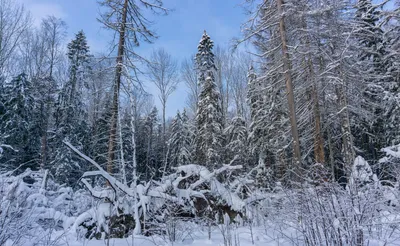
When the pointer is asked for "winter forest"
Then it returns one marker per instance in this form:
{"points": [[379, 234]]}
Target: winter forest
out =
{"points": [[290, 135]]}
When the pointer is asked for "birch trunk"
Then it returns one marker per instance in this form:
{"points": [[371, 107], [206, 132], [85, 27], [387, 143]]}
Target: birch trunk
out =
{"points": [[137, 229]]}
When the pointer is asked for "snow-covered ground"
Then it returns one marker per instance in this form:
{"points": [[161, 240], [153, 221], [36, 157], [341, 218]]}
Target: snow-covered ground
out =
{"points": [[239, 236], [199, 237], [365, 212]]}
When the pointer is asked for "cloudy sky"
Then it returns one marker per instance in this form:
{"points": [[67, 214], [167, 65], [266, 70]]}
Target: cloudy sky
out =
{"points": [[179, 32]]}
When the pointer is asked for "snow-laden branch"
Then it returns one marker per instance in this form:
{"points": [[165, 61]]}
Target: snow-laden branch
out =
{"points": [[142, 199], [393, 151], [105, 193], [204, 174], [113, 181]]}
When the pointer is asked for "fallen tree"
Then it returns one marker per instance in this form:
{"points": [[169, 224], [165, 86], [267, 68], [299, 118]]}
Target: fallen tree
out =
{"points": [[191, 191]]}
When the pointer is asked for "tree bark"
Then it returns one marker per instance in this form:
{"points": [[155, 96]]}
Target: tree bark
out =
{"points": [[132, 106], [164, 137], [318, 140], [117, 84], [347, 141], [289, 87]]}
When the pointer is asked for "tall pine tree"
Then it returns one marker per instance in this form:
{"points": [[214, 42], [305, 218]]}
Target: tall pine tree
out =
{"points": [[209, 113], [71, 116]]}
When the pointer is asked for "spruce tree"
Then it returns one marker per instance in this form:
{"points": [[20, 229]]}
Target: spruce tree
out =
{"points": [[269, 122], [153, 153], [45, 89], [99, 135], [392, 94], [175, 140], [18, 129], [370, 38], [371, 51], [255, 100], [186, 149], [236, 136], [71, 116], [209, 113], [180, 140]]}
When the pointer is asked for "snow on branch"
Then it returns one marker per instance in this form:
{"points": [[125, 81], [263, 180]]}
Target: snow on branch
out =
{"points": [[106, 193], [204, 174], [155, 194], [113, 181], [216, 188], [393, 151]]}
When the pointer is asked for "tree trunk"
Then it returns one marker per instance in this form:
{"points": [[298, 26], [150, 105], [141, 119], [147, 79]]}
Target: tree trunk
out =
{"points": [[132, 105], [121, 149], [289, 87], [43, 150], [117, 84], [149, 144], [331, 156], [347, 141], [318, 140], [43, 139], [164, 137]]}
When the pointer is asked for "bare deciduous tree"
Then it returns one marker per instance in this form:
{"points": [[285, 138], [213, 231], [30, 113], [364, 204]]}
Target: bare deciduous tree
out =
{"points": [[14, 22], [163, 72], [237, 75], [54, 31], [221, 62], [189, 77], [126, 19]]}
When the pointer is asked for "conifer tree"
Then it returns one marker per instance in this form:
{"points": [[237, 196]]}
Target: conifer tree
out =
{"points": [[209, 113], [371, 53], [269, 122], [71, 114], [180, 140], [255, 99], [17, 127], [236, 136], [153, 154], [175, 139], [45, 89], [392, 93], [186, 149], [370, 38], [99, 135]]}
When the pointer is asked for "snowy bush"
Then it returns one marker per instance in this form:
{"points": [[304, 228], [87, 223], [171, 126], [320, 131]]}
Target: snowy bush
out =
{"points": [[15, 216], [390, 164], [33, 208], [328, 214]]}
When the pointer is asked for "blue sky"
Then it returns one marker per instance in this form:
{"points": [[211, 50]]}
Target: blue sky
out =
{"points": [[179, 32]]}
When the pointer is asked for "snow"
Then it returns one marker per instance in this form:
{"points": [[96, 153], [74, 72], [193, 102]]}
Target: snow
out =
{"points": [[240, 236], [361, 172], [58, 215], [393, 151], [275, 218], [230, 198]]}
